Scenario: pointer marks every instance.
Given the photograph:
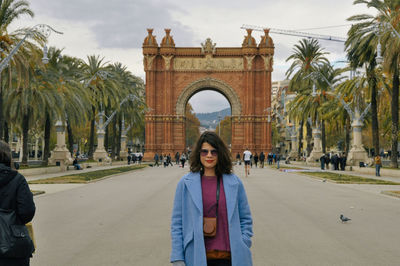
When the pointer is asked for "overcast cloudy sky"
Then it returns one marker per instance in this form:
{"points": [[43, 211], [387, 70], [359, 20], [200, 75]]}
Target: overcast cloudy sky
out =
{"points": [[115, 29]]}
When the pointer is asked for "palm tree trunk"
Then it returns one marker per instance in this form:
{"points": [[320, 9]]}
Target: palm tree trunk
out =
{"points": [[1, 108], [119, 138], [91, 137], [374, 106], [70, 138], [106, 139], [6, 133], [107, 133], [46, 148], [300, 147], [114, 134], [323, 136], [309, 138], [395, 117], [25, 129]]}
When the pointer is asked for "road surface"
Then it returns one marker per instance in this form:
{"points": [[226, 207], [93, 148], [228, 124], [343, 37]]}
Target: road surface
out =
{"points": [[124, 220]]}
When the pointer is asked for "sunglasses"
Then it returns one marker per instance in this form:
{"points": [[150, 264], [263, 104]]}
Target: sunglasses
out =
{"points": [[204, 152]]}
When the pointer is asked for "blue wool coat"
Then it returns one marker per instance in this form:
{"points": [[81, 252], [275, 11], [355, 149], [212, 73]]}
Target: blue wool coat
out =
{"points": [[187, 222]]}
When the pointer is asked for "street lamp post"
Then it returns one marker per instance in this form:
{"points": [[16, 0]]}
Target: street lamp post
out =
{"points": [[293, 136], [268, 130], [101, 153], [123, 153], [44, 29], [357, 152]]}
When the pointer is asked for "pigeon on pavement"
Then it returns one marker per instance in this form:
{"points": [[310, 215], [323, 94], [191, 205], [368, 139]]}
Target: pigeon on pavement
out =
{"points": [[344, 218]]}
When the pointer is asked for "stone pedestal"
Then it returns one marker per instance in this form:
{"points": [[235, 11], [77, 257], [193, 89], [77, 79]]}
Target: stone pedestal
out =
{"points": [[293, 152], [60, 155], [100, 154], [357, 152], [123, 153], [316, 153]]}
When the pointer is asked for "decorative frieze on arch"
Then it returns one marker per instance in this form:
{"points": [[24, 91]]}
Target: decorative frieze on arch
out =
{"points": [[208, 83]]}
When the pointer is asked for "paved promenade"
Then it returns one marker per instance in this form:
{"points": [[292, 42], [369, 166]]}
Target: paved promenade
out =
{"points": [[124, 220]]}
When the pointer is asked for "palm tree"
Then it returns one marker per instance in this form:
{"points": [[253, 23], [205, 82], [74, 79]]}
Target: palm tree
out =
{"points": [[63, 76], [78, 99], [95, 78], [328, 76], [307, 57], [31, 100], [132, 111], [10, 11], [361, 50], [388, 14]]}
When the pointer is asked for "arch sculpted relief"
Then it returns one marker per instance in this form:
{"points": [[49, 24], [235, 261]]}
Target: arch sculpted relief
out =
{"points": [[211, 83], [208, 63]]}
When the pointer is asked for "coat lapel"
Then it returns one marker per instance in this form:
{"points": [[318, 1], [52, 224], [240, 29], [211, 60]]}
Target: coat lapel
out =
{"points": [[193, 184], [231, 188]]}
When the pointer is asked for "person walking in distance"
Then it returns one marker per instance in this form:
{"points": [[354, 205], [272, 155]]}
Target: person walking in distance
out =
{"points": [[211, 222], [165, 162], [256, 159], [237, 159], [156, 159], [169, 160], [177, 156], [247, 157], [378, 165], [16, 197], [183, 159], [278, 159], [262, 159]]}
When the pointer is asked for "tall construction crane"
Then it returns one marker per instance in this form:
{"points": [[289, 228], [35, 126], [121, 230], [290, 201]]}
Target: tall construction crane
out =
{"points": [[295, 33]]}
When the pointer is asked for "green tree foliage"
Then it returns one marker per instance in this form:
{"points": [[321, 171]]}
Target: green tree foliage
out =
{"points": [[306, 58], [192, 126], [226, 130]]}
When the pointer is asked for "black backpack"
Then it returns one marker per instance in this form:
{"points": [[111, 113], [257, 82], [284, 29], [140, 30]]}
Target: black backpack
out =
{"points": [[15, 241]]}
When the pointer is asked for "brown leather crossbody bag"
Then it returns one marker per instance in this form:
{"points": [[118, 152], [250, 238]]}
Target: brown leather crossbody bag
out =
{"points": [[210, 223]]}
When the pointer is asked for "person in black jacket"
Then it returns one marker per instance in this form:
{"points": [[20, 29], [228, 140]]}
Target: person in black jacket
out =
{"points": [[14, 195], [262, 158]]}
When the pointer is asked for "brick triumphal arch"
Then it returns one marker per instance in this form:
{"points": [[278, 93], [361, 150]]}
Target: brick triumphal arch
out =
{"points": [[174, 74]]}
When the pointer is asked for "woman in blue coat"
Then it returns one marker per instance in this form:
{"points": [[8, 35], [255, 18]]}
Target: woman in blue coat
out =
{"points": [[211, 220]]}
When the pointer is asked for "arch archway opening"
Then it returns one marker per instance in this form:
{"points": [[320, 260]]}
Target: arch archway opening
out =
{"points": [[208, 109]]}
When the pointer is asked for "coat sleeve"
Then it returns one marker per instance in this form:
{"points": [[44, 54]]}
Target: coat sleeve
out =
{"points": [[246, 222], [25, 205], [177, 253]]}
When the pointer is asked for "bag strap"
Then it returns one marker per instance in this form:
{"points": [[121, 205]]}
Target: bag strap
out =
{"points": [[218, 188]]}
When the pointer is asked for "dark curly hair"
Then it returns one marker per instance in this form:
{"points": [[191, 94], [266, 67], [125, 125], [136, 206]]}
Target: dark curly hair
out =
{"points": [[5, 153], [224, 164]]}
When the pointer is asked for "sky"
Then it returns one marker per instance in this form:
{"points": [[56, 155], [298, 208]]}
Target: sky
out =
{"points": [[115, 29]]}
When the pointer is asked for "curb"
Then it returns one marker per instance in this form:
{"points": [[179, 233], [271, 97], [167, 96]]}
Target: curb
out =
{"points": [[37, 192], [105, 177], [390, 193]]}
